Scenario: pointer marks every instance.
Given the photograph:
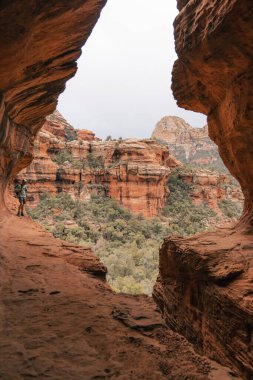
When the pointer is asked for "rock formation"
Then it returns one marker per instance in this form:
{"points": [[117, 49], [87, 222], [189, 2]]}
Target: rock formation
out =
{"points": [[58, 126], [213, 75], [57, 320], [205, 293], [209, 188], [40, 43], [60, 320], [189, 145], [134, 172], [205, 285]]}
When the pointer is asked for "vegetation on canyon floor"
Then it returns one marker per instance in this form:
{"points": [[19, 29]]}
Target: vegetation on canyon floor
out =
{"points": [[127, 244]]}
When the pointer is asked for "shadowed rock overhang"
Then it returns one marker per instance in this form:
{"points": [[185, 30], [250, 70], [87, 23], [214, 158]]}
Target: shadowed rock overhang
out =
{"points": [[205, 285], [40, 42], [214, 75]]}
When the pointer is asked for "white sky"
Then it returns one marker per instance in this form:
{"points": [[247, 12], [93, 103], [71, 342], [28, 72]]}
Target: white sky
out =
{"points": [[122, 87]]}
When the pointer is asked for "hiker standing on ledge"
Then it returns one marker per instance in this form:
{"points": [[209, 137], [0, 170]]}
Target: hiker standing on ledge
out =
{"points": [[21, 193]]}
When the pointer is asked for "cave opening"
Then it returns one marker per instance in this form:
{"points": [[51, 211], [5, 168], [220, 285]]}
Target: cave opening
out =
{"points": [[204, 287], [197, 195]]}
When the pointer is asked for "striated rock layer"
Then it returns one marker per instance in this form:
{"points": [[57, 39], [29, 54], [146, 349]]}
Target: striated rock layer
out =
{"points": [[213, 75], [208, 187], [189, 145], [205, 293], [205, 288], [40, 43], [134, 172]]}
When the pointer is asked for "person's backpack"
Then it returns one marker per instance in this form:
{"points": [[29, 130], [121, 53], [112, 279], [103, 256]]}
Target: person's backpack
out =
{"points": [[17, 190]]}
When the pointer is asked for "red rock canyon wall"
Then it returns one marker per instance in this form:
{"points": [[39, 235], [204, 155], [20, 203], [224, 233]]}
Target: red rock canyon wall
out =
{"points": [[134, 172]]}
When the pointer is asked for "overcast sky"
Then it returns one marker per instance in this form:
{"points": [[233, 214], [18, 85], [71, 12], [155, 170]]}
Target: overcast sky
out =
{"points": [[122, 87]]}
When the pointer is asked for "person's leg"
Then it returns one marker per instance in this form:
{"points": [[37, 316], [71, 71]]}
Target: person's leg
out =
{"points": [[19, 208], [22, 207]]}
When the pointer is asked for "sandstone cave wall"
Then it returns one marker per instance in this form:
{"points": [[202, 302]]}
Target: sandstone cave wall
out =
{"points": [[40, 42], [214, 75], [204, 289]]}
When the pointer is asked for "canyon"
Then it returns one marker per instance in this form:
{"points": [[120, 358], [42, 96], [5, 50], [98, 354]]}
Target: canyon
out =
{"points": [[133, 172], [58, 317]]}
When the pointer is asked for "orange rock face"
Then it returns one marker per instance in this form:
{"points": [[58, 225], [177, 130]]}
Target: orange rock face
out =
{"points": [[137, 172], [213, 75], [33, 72], [85, 135], [62, 321], [205, 293], [187, 144], [209, 188], [134, 172], [205, 284]]}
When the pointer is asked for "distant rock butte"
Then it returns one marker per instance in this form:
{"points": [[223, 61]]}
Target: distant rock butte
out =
{"points": [[134, 172], [187, 144]]}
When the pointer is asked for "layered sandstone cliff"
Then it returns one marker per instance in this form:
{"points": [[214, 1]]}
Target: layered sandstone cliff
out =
{"points": [[209, 188], [189, 145], [58, 126], [205, 292], [134, 172]]}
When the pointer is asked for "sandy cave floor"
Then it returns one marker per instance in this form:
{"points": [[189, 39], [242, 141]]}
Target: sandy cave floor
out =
{"points": [[59, 322]]}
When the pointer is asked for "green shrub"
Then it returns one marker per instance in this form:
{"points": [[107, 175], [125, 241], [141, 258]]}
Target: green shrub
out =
{"points": [[70, 134], [127, 244], [66, 156], [61, 157], [186, 218], [95, 162], [231, 209]]}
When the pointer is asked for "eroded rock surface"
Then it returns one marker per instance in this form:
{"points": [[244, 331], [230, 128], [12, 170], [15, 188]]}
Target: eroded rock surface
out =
{"points": [[213, 75], [205, 288], [209, 188], [40, 43], [60, 320], [205, 293], [134, 172], [189, 145]]}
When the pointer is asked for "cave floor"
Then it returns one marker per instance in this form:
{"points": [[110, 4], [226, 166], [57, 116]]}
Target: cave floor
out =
{"points": [[57, 321]]}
